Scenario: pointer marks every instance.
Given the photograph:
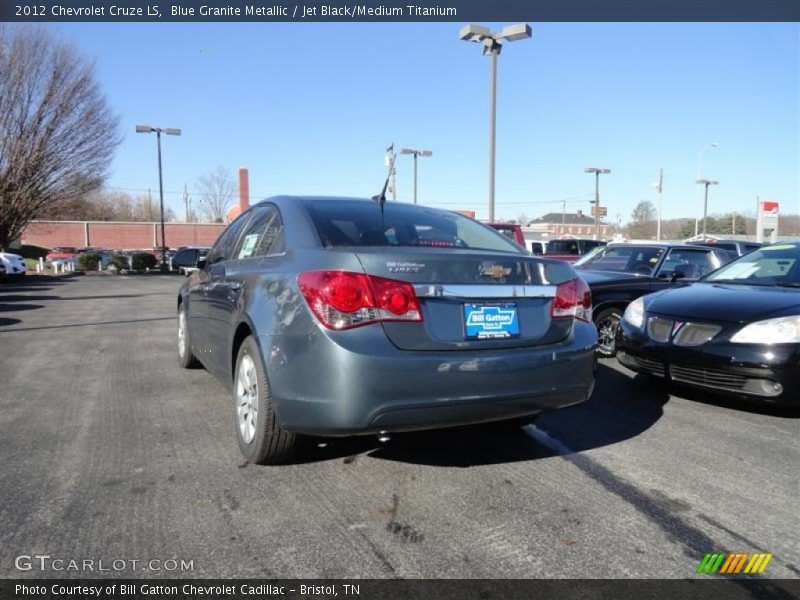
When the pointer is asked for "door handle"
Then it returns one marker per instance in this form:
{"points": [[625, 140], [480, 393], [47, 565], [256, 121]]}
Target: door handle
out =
{"points": [[231, 285]]}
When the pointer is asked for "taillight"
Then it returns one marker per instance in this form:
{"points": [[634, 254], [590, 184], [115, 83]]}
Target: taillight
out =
{"points": [[573, 299], [343, 300]]}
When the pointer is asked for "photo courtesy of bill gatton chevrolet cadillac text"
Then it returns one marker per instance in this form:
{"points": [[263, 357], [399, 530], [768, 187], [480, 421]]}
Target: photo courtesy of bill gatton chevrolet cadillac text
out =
{"points": [[336, 316]]}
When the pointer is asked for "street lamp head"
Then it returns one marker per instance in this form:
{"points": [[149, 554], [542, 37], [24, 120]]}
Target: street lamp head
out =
{"points": [[169, 131], [425, 153], [714, 144], [473, 33], [707, 182], [406, 151], [512, 33], [143, 129]]}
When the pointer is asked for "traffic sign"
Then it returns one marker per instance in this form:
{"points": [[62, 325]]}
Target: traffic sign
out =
{"points": [[603, 211]]}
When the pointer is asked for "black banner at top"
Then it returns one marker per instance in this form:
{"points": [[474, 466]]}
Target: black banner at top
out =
{"points": [[397, 10]]}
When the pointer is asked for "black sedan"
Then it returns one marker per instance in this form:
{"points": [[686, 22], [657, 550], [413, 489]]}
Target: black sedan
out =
{"points": [[620, 273], [736, 331]]}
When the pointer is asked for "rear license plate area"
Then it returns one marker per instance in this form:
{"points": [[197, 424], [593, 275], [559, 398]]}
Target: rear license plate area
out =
{"points": [[490, 320]]}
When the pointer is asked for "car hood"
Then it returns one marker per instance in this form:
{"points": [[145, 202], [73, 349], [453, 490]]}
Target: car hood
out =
{"points": [[725, 302], [601, 277]]}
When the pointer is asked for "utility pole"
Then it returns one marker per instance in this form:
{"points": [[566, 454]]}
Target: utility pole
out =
{"points": [[660, 187], [597, 173], [733, 223], [186, 201], [563, 216]]}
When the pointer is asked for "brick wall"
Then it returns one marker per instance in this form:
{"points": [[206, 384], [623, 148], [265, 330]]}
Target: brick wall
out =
{"points": [[116, 235]]}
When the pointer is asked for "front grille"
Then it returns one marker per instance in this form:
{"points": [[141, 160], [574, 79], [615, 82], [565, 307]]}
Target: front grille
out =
{"points": [[651, 366], [659, 328], [707, 378], [695, 334]]}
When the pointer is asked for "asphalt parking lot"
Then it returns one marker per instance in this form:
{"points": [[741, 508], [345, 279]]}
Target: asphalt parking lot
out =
{"points": [[111, 451]]}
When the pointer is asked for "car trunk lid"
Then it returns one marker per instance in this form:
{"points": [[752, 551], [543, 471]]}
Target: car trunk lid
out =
{"points": [[472, 299]]}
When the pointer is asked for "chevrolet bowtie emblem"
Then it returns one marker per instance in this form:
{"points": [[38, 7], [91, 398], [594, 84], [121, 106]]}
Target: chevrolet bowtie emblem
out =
{"points": [[495, 271]]}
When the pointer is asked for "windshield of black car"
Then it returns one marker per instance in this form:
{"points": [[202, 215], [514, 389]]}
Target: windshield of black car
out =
{"points": [[358, 223], [771, 265], [639, 260]]}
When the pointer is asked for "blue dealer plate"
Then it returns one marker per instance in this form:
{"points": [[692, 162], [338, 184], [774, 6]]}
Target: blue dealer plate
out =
{"points": [[487, 320]]}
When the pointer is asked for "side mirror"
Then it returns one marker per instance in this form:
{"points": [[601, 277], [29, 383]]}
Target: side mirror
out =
{"points": [[201, 263], [188, 258], [680, 272]]}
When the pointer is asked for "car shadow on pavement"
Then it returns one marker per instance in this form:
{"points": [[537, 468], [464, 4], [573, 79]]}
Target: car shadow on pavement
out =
{"points": [[621, 408], [4, 322], [16, 307], [26, 297]]}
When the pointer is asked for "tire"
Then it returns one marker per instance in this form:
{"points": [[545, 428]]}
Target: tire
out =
{"points": [[261, 439], [185, 357], [607, 323]]}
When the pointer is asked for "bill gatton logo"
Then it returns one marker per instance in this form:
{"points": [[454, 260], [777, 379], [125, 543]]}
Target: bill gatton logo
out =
{"points": [[734, 563]]}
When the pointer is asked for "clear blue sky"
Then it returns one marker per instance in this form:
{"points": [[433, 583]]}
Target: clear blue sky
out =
{"points": [[310, 108]]}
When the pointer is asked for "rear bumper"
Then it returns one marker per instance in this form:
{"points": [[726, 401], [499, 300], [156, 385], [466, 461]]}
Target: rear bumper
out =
{"points": [[323, 387], [766, 374]]}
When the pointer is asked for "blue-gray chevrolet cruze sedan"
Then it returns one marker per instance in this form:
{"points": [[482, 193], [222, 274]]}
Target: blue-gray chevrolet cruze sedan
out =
{"points": [[341, 316]]}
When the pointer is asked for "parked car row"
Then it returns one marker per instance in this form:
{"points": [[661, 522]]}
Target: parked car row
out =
{"points": [[344, 316]]}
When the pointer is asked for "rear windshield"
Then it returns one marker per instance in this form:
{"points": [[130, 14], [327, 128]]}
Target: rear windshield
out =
{"points": [[563, 247], [358, 223]]}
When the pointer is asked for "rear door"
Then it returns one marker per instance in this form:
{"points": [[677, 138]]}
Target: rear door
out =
{"points": [[205, 288], [696, 262]]}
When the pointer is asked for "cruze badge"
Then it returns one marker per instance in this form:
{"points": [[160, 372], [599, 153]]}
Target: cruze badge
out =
{"points": [[495, 271]]}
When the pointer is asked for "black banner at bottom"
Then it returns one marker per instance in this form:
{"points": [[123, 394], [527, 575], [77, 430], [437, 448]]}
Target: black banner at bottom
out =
{"points": [[405, 589]]}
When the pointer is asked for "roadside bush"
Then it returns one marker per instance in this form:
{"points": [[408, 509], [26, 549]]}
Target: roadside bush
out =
{"points": [[34, 252], [143, 260], [120, 262], [88, 261]]}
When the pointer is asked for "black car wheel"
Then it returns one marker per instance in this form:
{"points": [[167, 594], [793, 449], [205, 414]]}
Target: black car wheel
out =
{"points": [[607, 323], [261, 438]]}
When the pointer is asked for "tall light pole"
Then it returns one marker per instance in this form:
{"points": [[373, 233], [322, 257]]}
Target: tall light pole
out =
{"points": [[706, 183], [659, 185], [168, 131], [492, 45], [699, 176], [416, 153], [597, 173]]}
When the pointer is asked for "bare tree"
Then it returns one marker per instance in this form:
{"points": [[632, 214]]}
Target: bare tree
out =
{"points": [[217, 190], [57, 131]]}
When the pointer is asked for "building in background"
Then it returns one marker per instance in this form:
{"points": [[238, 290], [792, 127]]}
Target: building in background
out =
{"points": [[577, 224]]}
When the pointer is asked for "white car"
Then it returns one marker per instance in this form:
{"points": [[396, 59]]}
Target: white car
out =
{"points": [[14, 264]]}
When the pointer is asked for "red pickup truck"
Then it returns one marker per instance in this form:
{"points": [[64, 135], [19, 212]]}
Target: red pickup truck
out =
{"points": [[510, 230]]}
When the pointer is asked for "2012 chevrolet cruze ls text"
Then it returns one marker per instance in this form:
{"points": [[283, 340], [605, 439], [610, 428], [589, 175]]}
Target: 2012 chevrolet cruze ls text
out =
{"points": [[340, 316]]}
